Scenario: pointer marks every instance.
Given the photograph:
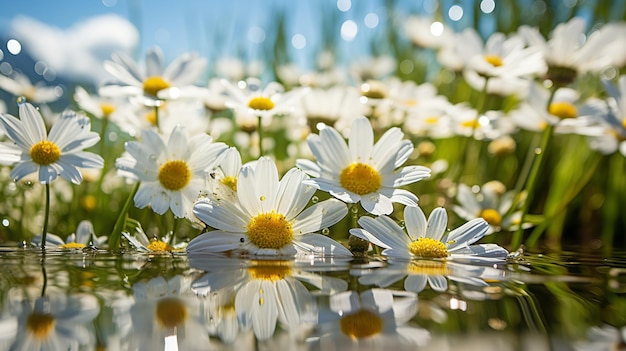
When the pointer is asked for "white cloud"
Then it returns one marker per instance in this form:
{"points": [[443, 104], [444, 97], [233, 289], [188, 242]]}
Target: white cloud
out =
{"points": [[78, 52]]}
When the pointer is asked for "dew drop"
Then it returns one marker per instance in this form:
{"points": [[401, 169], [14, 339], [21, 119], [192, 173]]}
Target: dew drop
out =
{"points": [[325, 231], [21, 100], [354, 210], [402, 224], [315, 199]]}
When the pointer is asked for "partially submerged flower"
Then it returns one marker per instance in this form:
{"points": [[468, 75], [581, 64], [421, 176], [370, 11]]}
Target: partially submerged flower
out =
{"points": [[269, 216], [429, 239]]}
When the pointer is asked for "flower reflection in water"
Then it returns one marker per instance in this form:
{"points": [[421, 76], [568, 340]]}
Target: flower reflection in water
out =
{"points": [[371, 320], [265, 292], [166, 315], [55, 322], [419, 273]]}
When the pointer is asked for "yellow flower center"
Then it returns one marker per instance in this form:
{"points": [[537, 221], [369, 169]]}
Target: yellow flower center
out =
{"points": [[563, 110], [428, 248], [40, 325], [270, 270], [72, 245], [431, 120], [159, 246], [360, 178], [361, 324], [171, 312], [45, 152], [107, 109], [230, 182], [261, 103], [151, 117], [491, 216], [270, 231], [152, 85], [624, 123], [174, 175], [494, 60], [89, 202], [470, 123], [423, 267]]}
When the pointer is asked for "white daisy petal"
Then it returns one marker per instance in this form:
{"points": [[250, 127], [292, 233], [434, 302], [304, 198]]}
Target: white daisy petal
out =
{"points": [[321, 215], [401, 196], [47, 174], [292, 196], [377, 204], [23, 169], [34, 128], [415, 221], [467, 234], [214, 242], [437, 223], [361, 140]]}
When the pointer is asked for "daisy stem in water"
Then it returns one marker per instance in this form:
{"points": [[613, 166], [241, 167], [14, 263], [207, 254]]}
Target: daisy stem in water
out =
{"points": [[114, 237], [260, 131], [45, 218]]}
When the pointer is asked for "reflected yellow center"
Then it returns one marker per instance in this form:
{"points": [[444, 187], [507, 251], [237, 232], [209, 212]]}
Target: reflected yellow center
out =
{"points": [[270, 270], [159, 246], [40, 325], [491, 216], [230, 182], [270, 231], [152, 85], [494, 60], [361, 324], [174, 175], [171, 312], [107, 109], [261, 103], [428, 248], [72, 245], [45, 152], [563, 110], [360, 178], [423, 267]]}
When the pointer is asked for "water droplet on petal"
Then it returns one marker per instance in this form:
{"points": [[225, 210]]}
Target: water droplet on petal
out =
{"points": [[21, 100], [353, 209], [315, 199], [325, 231]]}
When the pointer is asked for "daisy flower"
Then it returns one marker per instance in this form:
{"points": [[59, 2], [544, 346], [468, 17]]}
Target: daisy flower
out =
{"points": [[567, 53], [429, 239], [613, 132], [56, 322], [172, 173], [269, 216], [491, 203], [20, 85], [504, 64], [166, 313], [155, 81], [374, 319], [82, 238], [427, 33], [362, 171], [58, 153], [264, 292], [222, 180]]}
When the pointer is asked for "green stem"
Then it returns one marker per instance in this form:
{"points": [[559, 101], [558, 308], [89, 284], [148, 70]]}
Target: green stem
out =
{"points": [[611, 205], [516, 241], [536, 233], [174, 229], [45, 219], [530, 156], [116, 233], [260, 130], [45, 275]]}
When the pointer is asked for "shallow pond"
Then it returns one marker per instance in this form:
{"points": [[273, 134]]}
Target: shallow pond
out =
{"points": [[98, 300]]}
